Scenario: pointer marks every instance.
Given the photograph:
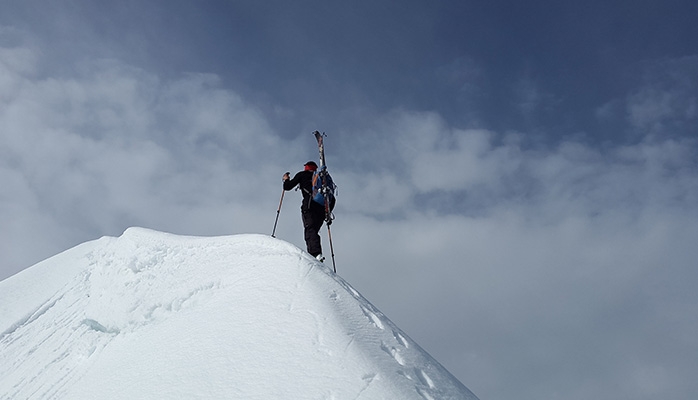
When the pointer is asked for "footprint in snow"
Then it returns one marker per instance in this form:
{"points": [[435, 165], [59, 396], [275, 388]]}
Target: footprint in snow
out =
{"points": [[401, 339], [424, 378], [395, 353], [373, 317]]}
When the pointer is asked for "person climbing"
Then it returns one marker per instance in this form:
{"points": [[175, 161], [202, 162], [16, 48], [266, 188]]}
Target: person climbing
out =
{"points": [[312, 212]]}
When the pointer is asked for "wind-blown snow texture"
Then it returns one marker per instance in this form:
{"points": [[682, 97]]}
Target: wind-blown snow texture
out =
{"points": [[153, 315]]}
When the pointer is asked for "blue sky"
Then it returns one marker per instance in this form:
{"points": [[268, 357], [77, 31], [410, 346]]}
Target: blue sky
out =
{"points": [[518, 181]]}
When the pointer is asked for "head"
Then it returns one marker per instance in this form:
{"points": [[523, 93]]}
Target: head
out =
{"points": [[310, 166]]}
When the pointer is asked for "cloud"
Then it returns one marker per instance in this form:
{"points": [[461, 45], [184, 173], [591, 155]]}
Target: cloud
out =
{"points": [[667, 98], [566, 274], [528, 269], [117, 146]]}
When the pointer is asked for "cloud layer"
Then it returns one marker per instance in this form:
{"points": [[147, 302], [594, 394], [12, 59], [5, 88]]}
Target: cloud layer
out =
{"points": [[542, 269], [117, 146]]}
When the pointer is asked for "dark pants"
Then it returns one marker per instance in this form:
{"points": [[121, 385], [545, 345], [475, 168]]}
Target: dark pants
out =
{"points": [[313, 217]]}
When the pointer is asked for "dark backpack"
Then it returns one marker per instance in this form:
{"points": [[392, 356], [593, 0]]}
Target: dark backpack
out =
{"points": [[317, 194]]}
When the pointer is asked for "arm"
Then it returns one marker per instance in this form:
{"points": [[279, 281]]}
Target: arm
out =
{"points": [[291, 183]]}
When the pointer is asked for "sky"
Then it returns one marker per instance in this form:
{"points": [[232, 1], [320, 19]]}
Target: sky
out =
{"points": [[528, 167], [151, 315]]}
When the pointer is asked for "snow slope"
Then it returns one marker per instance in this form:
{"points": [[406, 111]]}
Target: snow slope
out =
{"points": [[151, 315]]}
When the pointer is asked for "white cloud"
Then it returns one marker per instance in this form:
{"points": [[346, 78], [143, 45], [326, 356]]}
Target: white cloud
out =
{"points": [[116, 146], [558, 272], [467, 160]]}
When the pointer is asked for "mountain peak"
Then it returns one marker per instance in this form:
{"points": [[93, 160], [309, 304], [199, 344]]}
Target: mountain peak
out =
{"points": [[156, 315]]}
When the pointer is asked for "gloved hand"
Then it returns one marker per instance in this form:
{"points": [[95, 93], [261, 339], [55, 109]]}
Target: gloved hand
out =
{"points": [[286, 176]]}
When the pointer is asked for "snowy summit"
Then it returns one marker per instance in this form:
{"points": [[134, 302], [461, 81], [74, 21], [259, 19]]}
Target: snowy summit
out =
{"points": [[151, 315]]}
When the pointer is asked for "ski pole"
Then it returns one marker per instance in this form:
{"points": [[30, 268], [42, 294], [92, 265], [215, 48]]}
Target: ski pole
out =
{"points": [[329, 235], [278, 211]]}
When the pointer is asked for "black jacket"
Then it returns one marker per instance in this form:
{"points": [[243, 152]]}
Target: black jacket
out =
{"points": [[304, 179]]}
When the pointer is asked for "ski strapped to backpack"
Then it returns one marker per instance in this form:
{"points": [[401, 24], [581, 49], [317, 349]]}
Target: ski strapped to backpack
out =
{"points": [[323, 187], [326, 190]]}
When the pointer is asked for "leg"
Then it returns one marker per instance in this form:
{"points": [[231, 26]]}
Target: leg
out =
{"points": [[311, 226]]}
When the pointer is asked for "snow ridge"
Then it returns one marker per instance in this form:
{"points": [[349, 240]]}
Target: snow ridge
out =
{"points": [[155, 315]]}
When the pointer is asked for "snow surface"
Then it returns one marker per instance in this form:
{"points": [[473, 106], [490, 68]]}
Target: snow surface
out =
{"points": [[151, 315]]}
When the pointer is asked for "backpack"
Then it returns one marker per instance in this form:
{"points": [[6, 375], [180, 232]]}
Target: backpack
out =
{"points": [[317, 194]]}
